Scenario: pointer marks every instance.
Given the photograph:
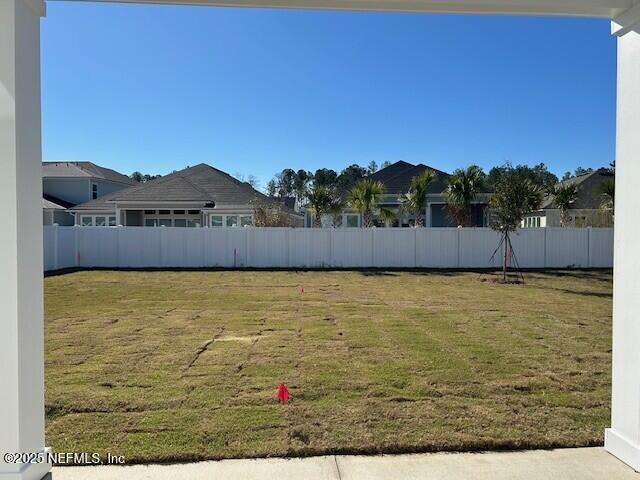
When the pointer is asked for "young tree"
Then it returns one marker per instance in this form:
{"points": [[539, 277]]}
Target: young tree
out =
{"points": [[564, 197], [415, 201], [464, 185], [385, 164], [514, 197], [372, 167], [363, 198], [270, 214], [320, 199]]}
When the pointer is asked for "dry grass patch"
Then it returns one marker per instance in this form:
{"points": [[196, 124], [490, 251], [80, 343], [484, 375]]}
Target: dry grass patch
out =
{"points": [[165, 366]]}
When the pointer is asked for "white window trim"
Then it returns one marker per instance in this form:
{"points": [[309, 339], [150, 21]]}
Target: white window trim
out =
{"points": [[224, 219], [93, 219]]}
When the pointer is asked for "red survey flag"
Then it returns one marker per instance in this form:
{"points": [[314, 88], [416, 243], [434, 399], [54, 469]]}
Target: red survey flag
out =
{"points": [[283, 393]]}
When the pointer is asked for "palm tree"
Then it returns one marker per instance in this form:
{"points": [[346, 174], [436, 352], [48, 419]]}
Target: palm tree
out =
{"points": [[388, 216], [415, 201], [608, 194], [336, 207], [463, 187], [564, 198], [363, 198], [319, 198]]}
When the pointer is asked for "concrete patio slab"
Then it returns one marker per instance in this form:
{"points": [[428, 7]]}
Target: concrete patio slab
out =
{"points": [[565, 464]]}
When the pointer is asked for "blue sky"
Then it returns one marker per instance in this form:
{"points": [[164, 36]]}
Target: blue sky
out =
{"points": [[156, 88]]}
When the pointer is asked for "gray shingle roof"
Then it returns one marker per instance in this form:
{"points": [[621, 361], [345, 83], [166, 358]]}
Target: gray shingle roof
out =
{"points": [[49, 201], [199, 184], [589, 184], [397, 177], [83, 169]]}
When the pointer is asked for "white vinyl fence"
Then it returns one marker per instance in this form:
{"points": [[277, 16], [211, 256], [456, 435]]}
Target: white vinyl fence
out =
{"points": [[144, 247]]}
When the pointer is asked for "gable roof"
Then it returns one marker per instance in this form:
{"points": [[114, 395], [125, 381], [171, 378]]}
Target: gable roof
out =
{"points": [[588, 185], [83, 170], [51, 202], [199, 184], [397, 177]]}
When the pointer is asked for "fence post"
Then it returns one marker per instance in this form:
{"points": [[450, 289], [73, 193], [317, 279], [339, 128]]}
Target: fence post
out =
{"points": [[544, 260], [458, 229], [55, 247], [588, 247], [76, 247], [289, 247], [415, 247], [373, 246], [331, 259], [118, 245]]}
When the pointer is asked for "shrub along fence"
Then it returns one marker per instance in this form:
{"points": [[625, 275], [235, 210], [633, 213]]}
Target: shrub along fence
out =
{"points": [[144, 247]]}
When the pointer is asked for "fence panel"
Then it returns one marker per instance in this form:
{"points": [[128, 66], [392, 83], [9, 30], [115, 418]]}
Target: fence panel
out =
{"points": [[529, 247], [310, 247], [352, 247], [140, 247], [601, 248], [97, 246], [437, 248], [394, 248], [567, 248], [268, 247], [67, 253], [49, 243], [476, 247]]}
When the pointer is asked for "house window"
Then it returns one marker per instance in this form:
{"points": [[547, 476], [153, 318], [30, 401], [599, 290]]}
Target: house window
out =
{"points": [[194, 212], [352, 221], [149, 212], [180, 222], [232, 221], [98, 221], [216, 220], [150, 222], [191, 223], [178, 212], [164, 222], [94, 191], [245, 221], [164, 212]]}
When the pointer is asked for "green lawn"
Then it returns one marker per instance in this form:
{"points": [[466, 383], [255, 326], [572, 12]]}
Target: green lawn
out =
{"points": [[166, 366]]}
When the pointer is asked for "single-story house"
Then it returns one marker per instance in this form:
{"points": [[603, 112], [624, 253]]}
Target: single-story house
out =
{"points": [[397, 180], [198, 196], [66, 184], [587, 210]]}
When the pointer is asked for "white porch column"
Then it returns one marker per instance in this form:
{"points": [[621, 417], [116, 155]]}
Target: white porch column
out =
{"points": [[623, 438], [21, 264]]}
